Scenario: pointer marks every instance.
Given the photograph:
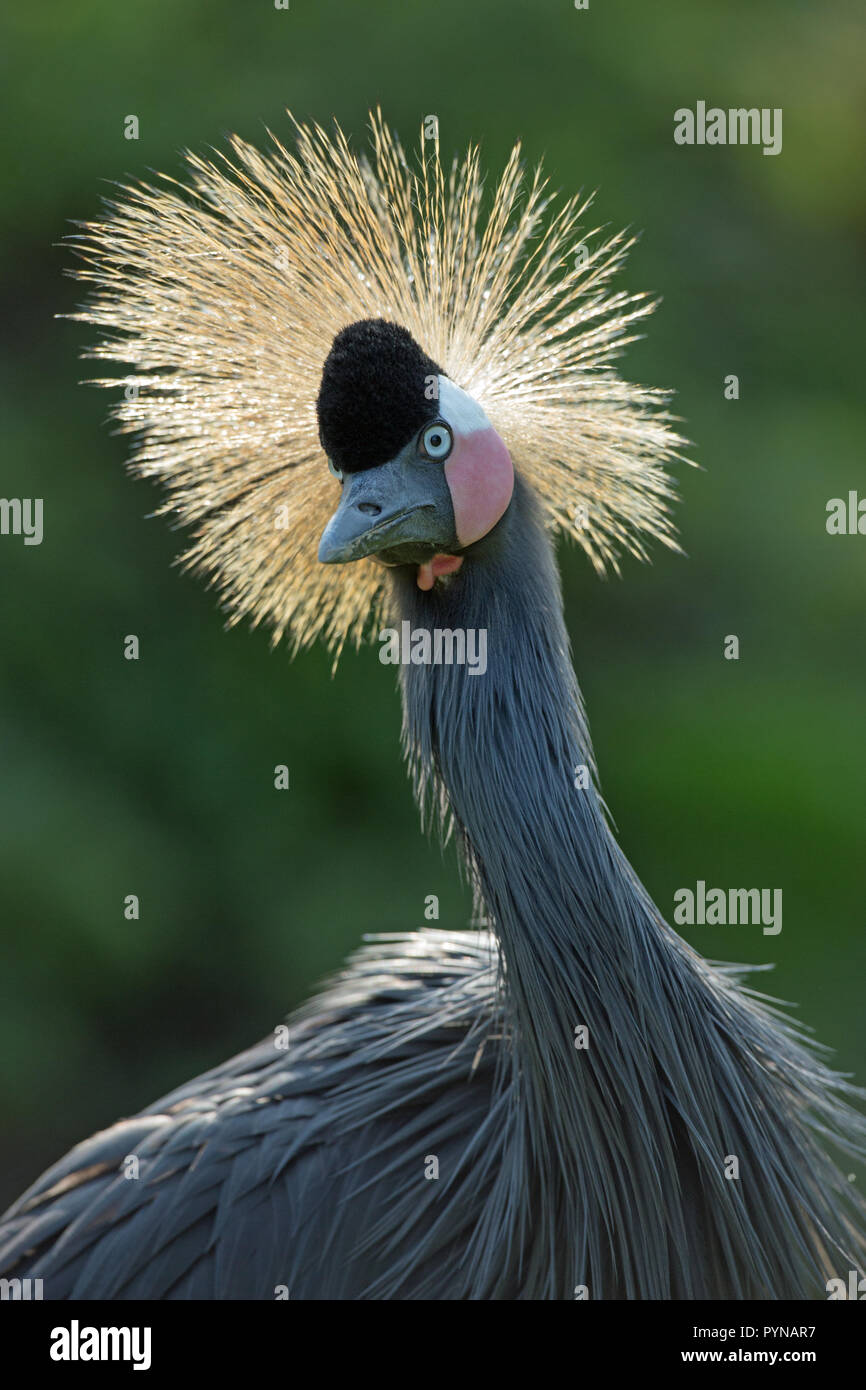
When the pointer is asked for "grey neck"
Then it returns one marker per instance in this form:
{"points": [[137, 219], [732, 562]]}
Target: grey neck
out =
{"points": [[498, 756], [506, 757], [595, 1131]]}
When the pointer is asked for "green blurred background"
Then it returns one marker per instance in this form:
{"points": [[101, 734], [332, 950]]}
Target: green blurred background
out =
{"points": [[155, 777]]}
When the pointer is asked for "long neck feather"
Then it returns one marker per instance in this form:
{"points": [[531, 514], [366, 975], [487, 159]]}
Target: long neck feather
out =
{"points": [[677, 1069]]}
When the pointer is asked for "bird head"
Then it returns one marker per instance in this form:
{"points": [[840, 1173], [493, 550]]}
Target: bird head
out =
{"points": [[423, 472], [407, 326]]}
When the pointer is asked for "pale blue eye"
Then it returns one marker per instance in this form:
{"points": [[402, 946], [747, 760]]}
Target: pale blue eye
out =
{"points": [[436, 440], [337, 472]]}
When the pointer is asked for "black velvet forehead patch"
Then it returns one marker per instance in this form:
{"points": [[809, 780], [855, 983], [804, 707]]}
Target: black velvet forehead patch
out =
{"points": [[374, 394]]}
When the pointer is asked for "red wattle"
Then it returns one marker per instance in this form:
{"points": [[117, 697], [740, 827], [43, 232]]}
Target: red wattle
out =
{"points": [[430, 571]]}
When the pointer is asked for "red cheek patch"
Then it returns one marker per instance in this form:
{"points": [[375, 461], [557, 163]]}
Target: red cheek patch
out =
{"points": [[480, 478]]}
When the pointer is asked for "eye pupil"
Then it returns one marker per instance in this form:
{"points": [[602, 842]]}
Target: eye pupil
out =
{"points": [[436, 441]]}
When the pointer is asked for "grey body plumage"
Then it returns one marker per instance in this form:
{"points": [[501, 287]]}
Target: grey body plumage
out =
{"points": [[284, 1170], [558, 1167]]}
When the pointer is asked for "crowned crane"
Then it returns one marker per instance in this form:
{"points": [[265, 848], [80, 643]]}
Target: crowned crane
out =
{"points": [[373, 396]]}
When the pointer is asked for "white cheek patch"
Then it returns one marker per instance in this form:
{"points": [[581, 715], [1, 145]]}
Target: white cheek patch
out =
{"points": [[459, 410], [479, 471]]}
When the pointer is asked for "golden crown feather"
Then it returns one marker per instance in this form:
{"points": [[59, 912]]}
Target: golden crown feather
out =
{"points": [[223, 296]]}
